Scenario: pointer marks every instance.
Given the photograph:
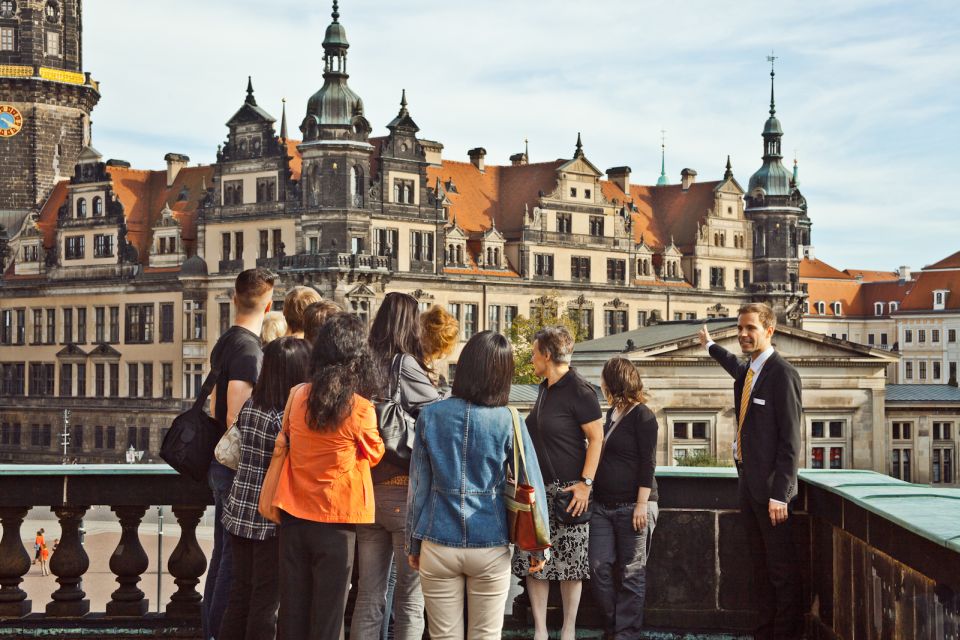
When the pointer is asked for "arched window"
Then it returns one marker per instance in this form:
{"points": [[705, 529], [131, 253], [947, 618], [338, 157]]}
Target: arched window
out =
{"points": [[496, 257], [397, 191], [489, 256], [459, 254], [82, 208], [822, 308], [97, 206], [837, 309], [356, 186]]}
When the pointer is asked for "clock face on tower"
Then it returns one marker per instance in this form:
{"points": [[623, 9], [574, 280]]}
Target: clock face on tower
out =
{"points": [[10, 121]]}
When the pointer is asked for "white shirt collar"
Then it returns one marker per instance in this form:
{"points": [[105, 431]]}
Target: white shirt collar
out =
{"points": [[757, 363]]}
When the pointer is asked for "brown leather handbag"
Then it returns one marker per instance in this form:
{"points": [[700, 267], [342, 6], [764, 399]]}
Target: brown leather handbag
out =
{"points": [[526, 529]]}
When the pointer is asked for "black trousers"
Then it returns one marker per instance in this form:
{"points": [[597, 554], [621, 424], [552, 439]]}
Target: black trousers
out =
{"points": [[251, 612], [776, 570], [316, 561]]}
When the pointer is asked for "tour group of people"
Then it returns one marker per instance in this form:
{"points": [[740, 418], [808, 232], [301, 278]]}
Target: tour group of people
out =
{"points": [[429, 538]]}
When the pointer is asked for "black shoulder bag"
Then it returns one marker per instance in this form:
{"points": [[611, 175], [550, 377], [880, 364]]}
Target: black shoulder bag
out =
{"points": [[189, 443], [396, 426]]}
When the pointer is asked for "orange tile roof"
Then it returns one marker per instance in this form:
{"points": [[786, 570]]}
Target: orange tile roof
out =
{"points": [[865, 275], [820, 269], [857, 297], [49, 213], [296, 160], [665, 213], [920, 296], [950, 262]]}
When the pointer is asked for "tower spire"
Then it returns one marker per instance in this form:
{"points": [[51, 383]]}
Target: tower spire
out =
{"points": [[403, 103], [796, 171], [250, 99], [579, 151], [663, 180], [283, 121], [729, 172], [772, 60], [526, 149]]}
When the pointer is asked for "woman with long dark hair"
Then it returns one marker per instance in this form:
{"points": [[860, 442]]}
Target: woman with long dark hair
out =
{"points": [[325, 488], [462, 452], [625, 502], [251, 612], [395, 341]]}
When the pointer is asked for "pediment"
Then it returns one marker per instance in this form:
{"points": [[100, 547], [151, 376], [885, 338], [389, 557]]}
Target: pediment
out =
{"points": [[361, 291], [580, 166], [250, 114], [71, 352], [493, 235], [456, 233], [793, 343], [730, 185], [105, 351]]}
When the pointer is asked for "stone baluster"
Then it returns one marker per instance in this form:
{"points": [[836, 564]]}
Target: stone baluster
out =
{"points": [[187, 563], [128, 562], [69, 563], [14, 564]]}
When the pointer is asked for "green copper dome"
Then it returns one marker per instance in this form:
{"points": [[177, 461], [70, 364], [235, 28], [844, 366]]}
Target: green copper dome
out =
{"points": [[336, 36], [772, 177]]}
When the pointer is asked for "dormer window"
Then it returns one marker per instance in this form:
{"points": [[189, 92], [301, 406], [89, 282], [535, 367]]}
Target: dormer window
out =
{"points": [[81, 207], [822, 308], [940, 299], [52, 12], [894, 306], [878, 308], [806, 307], [587, 193], [102, 246], [31, 253], [97, 206], [837, 309], [573, 192]]}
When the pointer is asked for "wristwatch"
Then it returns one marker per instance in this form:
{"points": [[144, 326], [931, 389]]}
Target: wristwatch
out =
{"points": [[587, 481]]}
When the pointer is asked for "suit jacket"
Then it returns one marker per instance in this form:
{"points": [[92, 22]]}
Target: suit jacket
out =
{"points": [[771, 431]]}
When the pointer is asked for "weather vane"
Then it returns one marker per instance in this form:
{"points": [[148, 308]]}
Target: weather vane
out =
{"points": [[771, 59]]}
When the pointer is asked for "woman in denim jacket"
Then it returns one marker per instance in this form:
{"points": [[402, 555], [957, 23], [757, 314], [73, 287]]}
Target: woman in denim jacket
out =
{"points": [[456, 534]]}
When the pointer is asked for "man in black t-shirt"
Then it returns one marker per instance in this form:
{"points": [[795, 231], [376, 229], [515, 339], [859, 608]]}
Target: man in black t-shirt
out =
{"points": [[238, 355]]}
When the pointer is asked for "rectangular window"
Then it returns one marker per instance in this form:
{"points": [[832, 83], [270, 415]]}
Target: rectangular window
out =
{"points": [[921, 335], [98, 437], [493, 318], [224, 317], [690, 437], [6, 39], [114, 325], [37, 326], [580, 268], [385, 242], [356, 245], [510, 312], [615, 321], [900, 463], [81, 325], [469, 321], [139, 329], [717, 277], [403, 191], [133, 380], [21, 334], [76, 438], [935, 335], [114, 380], [193, 320], [238, 245], [277, 237], [99, 379], [166, 322], [942, 465], [67, 326], [641, 318], [908, 335], [543, 265], [227, 244], [616, 271], [827, 444], [908, 370], [936, 369], [73, 247], [166, 371], [51, 326], [66, 380], [871, 338], [111, 437], [192, 379], [421, 246], [564, 222], [266, 189], [583, 319], [53, 43], [6, 330], [923, 369], [596, 225], [103, 245], [99, 314], [736, 278], [951, 335], [573, 192], [232, 193], [883, 339], [147, 380], [41, 379], [82, 380], [264, 244]]}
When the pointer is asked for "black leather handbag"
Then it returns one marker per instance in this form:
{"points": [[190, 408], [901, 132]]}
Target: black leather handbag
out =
{"points": [[188, 445], [396, 426]]}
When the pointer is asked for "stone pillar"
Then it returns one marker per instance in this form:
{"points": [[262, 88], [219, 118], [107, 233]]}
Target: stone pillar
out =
{"points": [[69, 563], [14, 564], [187, 563], [128, 563]]}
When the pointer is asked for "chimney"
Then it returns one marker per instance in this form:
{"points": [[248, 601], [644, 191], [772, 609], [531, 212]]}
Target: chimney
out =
{"points": [[175, 162], [809, 253], [687, 178], [620, 176], [476, 157], [904, 273], [518, 159]]}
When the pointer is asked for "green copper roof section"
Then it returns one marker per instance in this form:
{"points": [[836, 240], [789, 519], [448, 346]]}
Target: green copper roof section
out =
{"points": [[336, 35], [663, 181]]}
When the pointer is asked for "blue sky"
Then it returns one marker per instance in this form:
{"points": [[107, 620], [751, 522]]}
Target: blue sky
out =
{"points": [[867, 91]]}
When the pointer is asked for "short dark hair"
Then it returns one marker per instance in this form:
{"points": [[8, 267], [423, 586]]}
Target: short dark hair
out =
{"points": [[485, 370], [252, 285], [555, 342], [341, 367], [315, 315], [285, 364], [766, 315], [622, 381]]}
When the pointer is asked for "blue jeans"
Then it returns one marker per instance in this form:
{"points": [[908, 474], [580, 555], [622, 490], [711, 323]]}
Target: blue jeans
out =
{"points": [[377, 545], [618, 566], [216, 590]]}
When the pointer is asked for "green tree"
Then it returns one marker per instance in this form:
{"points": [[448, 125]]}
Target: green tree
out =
{"points": [[702, 459], [523, 329]]}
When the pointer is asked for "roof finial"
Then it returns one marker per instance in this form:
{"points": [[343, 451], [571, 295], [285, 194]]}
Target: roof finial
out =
{"points": [[283, 121], [579, 152], [250, 99], [526, 149], [729, 172], [663, 180], [772, 60], [796, 170], [403, 103], [336, 11]]}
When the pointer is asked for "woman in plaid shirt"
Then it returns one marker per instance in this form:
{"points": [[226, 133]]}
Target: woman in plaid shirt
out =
{"points": [[255, 593]]}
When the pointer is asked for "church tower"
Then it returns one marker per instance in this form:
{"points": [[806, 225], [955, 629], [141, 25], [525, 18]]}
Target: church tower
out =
{"points": [[45, 102], [780, 226]]}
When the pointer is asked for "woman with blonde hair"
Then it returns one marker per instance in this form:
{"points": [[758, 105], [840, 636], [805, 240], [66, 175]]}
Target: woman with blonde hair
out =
{"points": [[439, 333], [625, 501]]}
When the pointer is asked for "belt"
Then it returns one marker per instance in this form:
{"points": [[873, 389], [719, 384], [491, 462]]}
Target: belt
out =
{"points": [[397, 481]]}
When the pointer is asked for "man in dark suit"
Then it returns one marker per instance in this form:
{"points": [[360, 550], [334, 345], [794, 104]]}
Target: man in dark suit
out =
{"points": [[766, 450]]}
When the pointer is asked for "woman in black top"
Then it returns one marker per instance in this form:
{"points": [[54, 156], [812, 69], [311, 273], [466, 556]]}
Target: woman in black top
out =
{"points": [[625, 502], [567, 433]]}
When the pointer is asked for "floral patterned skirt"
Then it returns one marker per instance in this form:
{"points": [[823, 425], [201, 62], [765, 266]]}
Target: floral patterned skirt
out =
{"points": [[568, 555]]}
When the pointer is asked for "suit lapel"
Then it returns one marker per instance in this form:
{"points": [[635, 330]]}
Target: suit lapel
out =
{"points": [[767, 366]]}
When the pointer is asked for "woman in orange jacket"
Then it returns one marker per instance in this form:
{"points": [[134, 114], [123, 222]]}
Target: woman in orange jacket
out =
{"points": [[325, 488]]}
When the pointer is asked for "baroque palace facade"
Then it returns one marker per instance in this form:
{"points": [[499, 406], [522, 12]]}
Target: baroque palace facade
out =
{"points": [[117, 282]]}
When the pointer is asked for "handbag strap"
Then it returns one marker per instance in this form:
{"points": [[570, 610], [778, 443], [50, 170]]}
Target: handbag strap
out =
{"points": [[519, 456], [208, 384], [613, 427], [395, 376], [285, 424]]}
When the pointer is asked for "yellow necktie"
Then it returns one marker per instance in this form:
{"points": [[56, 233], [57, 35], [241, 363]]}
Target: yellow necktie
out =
{"points": [[744, 405]]}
